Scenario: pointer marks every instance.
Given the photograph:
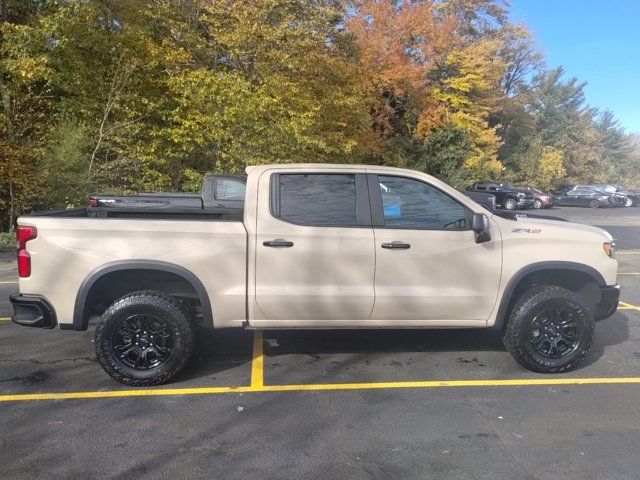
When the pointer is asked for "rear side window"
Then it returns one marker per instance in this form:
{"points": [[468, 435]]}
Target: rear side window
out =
{"points": [[411, 204], [229, 189], [317, 199]]}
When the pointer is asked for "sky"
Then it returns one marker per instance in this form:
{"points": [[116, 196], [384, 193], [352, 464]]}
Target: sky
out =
{"points": [[597, 41]]}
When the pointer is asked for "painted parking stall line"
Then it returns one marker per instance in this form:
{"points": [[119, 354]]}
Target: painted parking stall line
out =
{"points": [[257, 382], [257, 361], [320, 387], [627, 306]]}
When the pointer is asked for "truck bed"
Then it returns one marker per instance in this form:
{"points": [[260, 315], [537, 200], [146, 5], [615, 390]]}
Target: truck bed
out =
{"points": [[71, 246]]}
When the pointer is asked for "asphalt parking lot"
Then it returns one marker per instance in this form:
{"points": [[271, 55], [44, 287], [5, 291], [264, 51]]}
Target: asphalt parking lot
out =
{"points": [[346, 404]]}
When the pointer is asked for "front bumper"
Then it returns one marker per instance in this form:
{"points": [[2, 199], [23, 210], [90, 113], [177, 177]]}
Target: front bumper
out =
{"points": [[608, 302], [32, 311]]}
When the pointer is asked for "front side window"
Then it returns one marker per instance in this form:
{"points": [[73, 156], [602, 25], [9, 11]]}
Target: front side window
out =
{"points": [[411, 204], [317, 199]]}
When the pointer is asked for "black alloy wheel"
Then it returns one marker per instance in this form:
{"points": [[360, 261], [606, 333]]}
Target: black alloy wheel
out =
{"points": [[143, 341], [554, 333]]}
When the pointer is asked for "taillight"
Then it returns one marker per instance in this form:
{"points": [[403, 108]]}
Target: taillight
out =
{"points": [[23, 235], [92, 202]]}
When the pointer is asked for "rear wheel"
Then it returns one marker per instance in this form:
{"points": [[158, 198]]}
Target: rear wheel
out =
{"points": [[510, 204], [628, 202], [537, 204], [145, 338], [594, 203], [550, 330]]}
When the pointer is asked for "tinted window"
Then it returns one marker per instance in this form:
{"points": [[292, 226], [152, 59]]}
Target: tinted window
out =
{"points": [[228, 189], [318, 199], [412, 204]]}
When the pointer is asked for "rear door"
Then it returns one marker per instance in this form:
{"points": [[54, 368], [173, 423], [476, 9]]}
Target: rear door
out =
{"points": [[315, 256], [429, 268]]}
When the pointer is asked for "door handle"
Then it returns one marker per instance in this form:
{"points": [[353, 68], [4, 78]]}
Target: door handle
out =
{"points": [[278, 243], [396, 245]]}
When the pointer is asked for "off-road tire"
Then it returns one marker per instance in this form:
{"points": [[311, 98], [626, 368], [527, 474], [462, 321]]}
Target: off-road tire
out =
{"points": [[168, 309], [537, 204], [510, 204], [518, 333], [594, 203]]}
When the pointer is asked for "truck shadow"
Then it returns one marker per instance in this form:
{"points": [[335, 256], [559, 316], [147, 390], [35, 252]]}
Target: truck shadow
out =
{"points": [[229, 349]]}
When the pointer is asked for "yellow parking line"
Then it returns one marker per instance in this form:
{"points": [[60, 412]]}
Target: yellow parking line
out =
{"points": [[518, 382], [257, 361], [5, 319], [627, 306], [12, 282], [628, 273], [627, 252]]}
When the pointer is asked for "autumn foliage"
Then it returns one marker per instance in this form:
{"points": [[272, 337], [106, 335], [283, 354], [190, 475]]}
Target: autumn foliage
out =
{"points": [[113, 95]]}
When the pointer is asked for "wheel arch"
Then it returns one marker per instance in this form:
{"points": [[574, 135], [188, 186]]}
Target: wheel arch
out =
{"points": [[186, 282], [571, 275]]}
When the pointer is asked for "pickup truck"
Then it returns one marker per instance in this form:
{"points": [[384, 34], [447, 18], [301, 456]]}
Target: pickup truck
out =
{"points": [[507, 196], [322, 247]]}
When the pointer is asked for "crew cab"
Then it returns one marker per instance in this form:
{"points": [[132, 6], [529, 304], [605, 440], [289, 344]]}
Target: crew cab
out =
{"points": [[316, 247]]}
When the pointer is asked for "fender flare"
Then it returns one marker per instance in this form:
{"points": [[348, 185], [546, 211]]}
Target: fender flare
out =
{"points": [[80, 310], [507, 295]]}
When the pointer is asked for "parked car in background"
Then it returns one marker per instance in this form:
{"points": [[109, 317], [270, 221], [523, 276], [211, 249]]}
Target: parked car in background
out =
{"points": [[542, 199], [487, 200], [632, 197], [620, 199], [580, 196], [221, 194], [507, 196]]}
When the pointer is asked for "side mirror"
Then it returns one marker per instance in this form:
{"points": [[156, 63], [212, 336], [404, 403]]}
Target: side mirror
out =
{"points": [[480, 226]]}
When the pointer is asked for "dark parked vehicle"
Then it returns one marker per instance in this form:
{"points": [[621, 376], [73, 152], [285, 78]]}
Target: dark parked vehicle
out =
{"points": [[621, 200], [487, 200], [582, 196], [220, 194], [507, 196], [632, 197], [542, 199]]}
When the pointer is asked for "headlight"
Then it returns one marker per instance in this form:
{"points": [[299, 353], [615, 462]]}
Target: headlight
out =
{"points": [[609, 249]]}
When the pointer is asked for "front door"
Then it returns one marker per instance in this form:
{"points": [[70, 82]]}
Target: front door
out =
{"points": [[315, 255], [429, 268]]}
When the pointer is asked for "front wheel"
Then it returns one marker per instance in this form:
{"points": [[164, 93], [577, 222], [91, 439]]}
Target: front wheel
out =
{"points": [[628, 202], [594, 204], [537, 204], [145, 338], [550, 330]]}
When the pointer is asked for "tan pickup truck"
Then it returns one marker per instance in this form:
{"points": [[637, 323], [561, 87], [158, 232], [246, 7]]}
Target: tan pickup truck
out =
{"points": [[315, 246]]}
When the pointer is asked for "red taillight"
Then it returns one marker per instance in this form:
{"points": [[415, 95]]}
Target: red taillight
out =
{"points": [[23, 235]]}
